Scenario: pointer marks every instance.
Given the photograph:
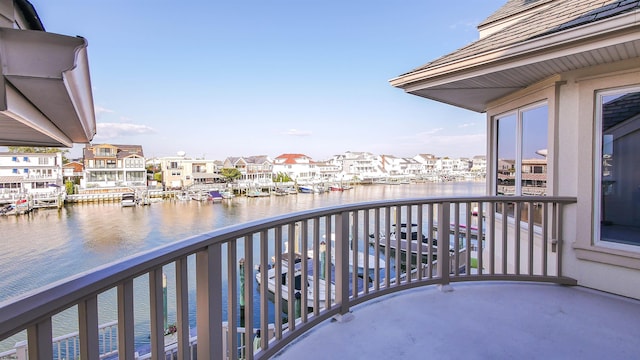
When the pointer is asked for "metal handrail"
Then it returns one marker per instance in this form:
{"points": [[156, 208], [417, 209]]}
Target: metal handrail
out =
{"points": [[33, 311]]}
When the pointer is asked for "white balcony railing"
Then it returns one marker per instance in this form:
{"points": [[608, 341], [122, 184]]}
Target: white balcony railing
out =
{"points": [[485, 243]]}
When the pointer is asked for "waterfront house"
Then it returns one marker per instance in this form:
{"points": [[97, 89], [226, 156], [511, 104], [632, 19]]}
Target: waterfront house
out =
{"points": [[479, 164], [254, 169], [561, 76], [298, 167], [30, 173], [179, 172], [72, 171], [362, 166], [113, 167]]}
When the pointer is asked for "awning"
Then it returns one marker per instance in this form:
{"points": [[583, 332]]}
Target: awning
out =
{"points": [[45, 90]]}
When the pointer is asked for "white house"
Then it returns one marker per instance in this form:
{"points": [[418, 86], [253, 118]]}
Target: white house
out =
{"points": [[298, 167], [30, 172], [113, 166]]}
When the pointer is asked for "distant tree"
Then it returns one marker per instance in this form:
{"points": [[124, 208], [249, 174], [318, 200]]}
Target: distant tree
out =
{"points": [[282, 177], [157, 177], [69, 187], [230, 174], [37, 150]]}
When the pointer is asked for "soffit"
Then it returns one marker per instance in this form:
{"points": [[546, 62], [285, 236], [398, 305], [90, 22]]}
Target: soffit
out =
{"points": [[528, 53]]}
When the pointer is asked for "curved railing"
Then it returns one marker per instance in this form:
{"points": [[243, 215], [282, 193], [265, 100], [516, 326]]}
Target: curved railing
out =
{"points": [[485, 243]]}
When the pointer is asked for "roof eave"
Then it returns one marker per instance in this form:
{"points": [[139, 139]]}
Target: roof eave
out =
{"points": [[599, 34]]}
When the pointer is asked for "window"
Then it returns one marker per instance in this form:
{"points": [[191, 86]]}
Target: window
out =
{"points": [[617, 169], [25, 159], [521, 148], [14, 158], [15, 171], [43, 161]]}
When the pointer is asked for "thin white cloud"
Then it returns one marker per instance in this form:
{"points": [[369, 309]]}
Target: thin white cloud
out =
{"points": [[99, 110], [295, 132], [465, 125], [114, 130]]}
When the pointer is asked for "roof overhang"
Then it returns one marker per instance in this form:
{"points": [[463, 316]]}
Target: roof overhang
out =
{"points": [[474, 82], [45, 90]]}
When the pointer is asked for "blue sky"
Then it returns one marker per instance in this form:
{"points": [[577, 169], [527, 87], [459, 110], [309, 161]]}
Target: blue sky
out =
{"points": [[257, 77]]}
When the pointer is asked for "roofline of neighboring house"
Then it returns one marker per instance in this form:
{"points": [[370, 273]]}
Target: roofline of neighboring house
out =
{"points": [[593, 35], [30, 15]]}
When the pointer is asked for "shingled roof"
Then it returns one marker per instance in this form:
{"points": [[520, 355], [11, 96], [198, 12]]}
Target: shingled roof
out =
{"points": [[538, 42]]}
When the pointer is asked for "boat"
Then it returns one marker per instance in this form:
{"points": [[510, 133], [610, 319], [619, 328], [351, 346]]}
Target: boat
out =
{"points": [[406, 242], [129, 199], [183, 196], [215, 195], [336, 188], [199, 195], [305, 189], [283, 281], [227, 194], [280, 192], [256, 193]]}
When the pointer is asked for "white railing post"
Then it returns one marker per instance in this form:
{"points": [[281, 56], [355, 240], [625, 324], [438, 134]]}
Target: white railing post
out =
{"points": [[209, 302], [443, 245], [88, 329], [126, 346]]}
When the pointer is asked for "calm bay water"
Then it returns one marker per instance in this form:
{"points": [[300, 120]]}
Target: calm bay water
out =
{"points": [[50, 245]]}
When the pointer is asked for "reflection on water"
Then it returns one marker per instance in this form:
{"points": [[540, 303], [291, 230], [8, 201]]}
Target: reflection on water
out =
{"points": [[49, 245]]}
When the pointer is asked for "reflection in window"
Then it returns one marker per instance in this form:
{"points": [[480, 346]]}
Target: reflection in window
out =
{"points": [[617, 168], [521, 163], [522, 152]]}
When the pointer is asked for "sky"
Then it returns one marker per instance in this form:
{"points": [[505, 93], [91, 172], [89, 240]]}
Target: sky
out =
{"points": [[224, 78]]}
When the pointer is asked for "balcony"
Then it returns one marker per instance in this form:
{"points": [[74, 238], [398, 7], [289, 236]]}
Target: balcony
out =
{"points": [[507, 299]]}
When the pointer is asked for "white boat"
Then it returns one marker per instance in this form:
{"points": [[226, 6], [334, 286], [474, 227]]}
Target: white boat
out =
{"points": [[405, 242], [282, 282], [129, 199]]}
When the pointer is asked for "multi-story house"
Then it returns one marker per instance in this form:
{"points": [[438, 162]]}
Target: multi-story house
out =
{"points": [[254, 169], [298, 167], [479, 164], [329, 171], [73, 171], [30, 172], [363, 166], [428, 162], [113, 166]]}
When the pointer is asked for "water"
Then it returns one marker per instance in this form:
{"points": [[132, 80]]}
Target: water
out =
{"points": [[49, 245]]}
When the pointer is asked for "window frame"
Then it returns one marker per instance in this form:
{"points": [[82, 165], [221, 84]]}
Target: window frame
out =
{"points": [[598, 96], [518, 111]]}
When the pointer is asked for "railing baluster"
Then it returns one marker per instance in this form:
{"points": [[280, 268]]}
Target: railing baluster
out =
{"points": [[456, 239], [530, 234], [558, 237], [491, 232], [232, 297], [248, 297], [291, 273], [419, 264], [545, 239], [209, 301], [304, 248], [278, 282], [352, 243], [88, 328], [156, 304], [342, 262], [327, 263], [126, 347], [409, 242], [467, 244], [444, 211], [264, 289], [316, 266], [519, 229], [387, 246], [398, 235], [430, 216], [505, 236], [182, 304], [365, 253], [376, 250]]}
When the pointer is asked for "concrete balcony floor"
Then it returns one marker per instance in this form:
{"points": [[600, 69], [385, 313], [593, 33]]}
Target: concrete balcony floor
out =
{"points": [[495, 320]]}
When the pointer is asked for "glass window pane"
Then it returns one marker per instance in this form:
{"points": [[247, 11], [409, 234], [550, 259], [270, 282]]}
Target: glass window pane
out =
{"points": [[534, 151], [619, 125], [506, 155]]}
